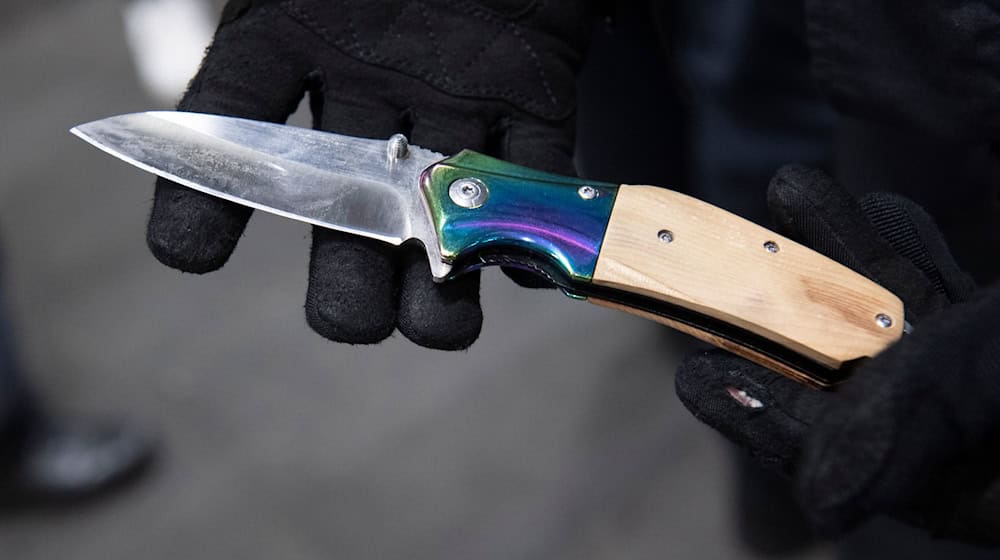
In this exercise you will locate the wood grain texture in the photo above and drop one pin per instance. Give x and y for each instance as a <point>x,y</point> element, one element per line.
<point>717,264</point>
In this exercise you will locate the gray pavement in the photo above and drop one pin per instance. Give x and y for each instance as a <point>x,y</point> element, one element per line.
<point>557,435</point>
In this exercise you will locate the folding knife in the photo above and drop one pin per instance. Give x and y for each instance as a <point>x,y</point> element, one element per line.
<point>645,250</point>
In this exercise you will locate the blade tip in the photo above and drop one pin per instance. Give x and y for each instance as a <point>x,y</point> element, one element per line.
<point>79,132</point>
<point>82,132</point>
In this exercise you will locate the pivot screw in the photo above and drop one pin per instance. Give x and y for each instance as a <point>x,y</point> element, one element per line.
<point>588,192</point>
<point>468,193</point>
<point>883,320</point>
<point>771,247</point>
<point>666,236</point>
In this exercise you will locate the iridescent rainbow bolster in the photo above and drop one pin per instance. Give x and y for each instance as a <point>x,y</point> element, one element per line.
<point>561,219</point>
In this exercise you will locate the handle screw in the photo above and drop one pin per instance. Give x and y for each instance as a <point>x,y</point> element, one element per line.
<point>666,235</point>
<point>588,192</point>
<point>883,320</point>
<point>771,247</point>
<point>469,192</point>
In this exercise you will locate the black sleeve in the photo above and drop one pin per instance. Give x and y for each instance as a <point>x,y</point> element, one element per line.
<point>932,65</point>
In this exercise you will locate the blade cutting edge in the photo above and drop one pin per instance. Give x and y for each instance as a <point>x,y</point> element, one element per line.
<point>329,180</point>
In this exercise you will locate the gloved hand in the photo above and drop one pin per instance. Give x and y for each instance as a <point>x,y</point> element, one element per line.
<point>915,432</point>
<point>496,76</point>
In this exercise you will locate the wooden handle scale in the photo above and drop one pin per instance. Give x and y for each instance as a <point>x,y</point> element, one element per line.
<point>685,252</point>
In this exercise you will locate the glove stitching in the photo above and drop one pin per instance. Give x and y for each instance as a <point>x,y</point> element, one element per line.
<point>422,73</point>
<point>516,31</point>
<point>534,55</point>
<point>351,25</point>
<point>392,25</point>
<point>538,65</point>
<point>842,243</point>
<point>523,12</point>
<point>438,50</point>
<point>482,50</point>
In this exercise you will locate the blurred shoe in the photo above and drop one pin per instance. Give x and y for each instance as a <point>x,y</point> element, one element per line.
<point>61,464</point>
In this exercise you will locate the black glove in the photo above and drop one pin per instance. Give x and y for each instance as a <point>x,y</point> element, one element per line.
<point>497,76</point>
<point>915,432</point>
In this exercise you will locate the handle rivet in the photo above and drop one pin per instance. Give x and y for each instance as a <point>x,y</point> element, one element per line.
<point>883,320</point>
<point>588,192</point>
<point>771,247</point>
<point>666,235</point>
<point>469,192</point>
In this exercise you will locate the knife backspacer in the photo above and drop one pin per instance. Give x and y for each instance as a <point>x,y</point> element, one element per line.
<point>667,257</point>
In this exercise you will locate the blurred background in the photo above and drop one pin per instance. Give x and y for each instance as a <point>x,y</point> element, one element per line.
<point>557,435</point>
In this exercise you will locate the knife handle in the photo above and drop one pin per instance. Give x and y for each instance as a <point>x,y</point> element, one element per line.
<point>676,249</point>
<point>667,257</point>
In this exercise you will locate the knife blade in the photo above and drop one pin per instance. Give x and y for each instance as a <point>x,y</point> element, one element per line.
<point>645,250</point>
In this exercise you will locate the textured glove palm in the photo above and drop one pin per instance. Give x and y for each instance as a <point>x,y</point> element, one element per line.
<point>496,76</point>
<point>914,433</point>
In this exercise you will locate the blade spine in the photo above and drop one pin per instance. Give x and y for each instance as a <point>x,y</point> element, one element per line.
<point>425,153</point>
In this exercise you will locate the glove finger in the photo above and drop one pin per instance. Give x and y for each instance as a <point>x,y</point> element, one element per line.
<point>192,231</point>
<point>351,295</point>
<point>912,233</point>
<point>758,410</point>
<point>352,290</point>
<point>445,316</point>
<point>448,131</point>
<point>539,145</point>
<point>244,74</point>
<point>808,206</point>
<point>543,145</point>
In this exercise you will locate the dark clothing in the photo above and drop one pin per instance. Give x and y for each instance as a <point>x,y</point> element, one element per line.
<point>753,105</point>
<point>932,67</point>
<point>953,181</point>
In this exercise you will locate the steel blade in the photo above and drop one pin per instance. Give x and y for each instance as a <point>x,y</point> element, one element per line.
<point>329,180</point>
